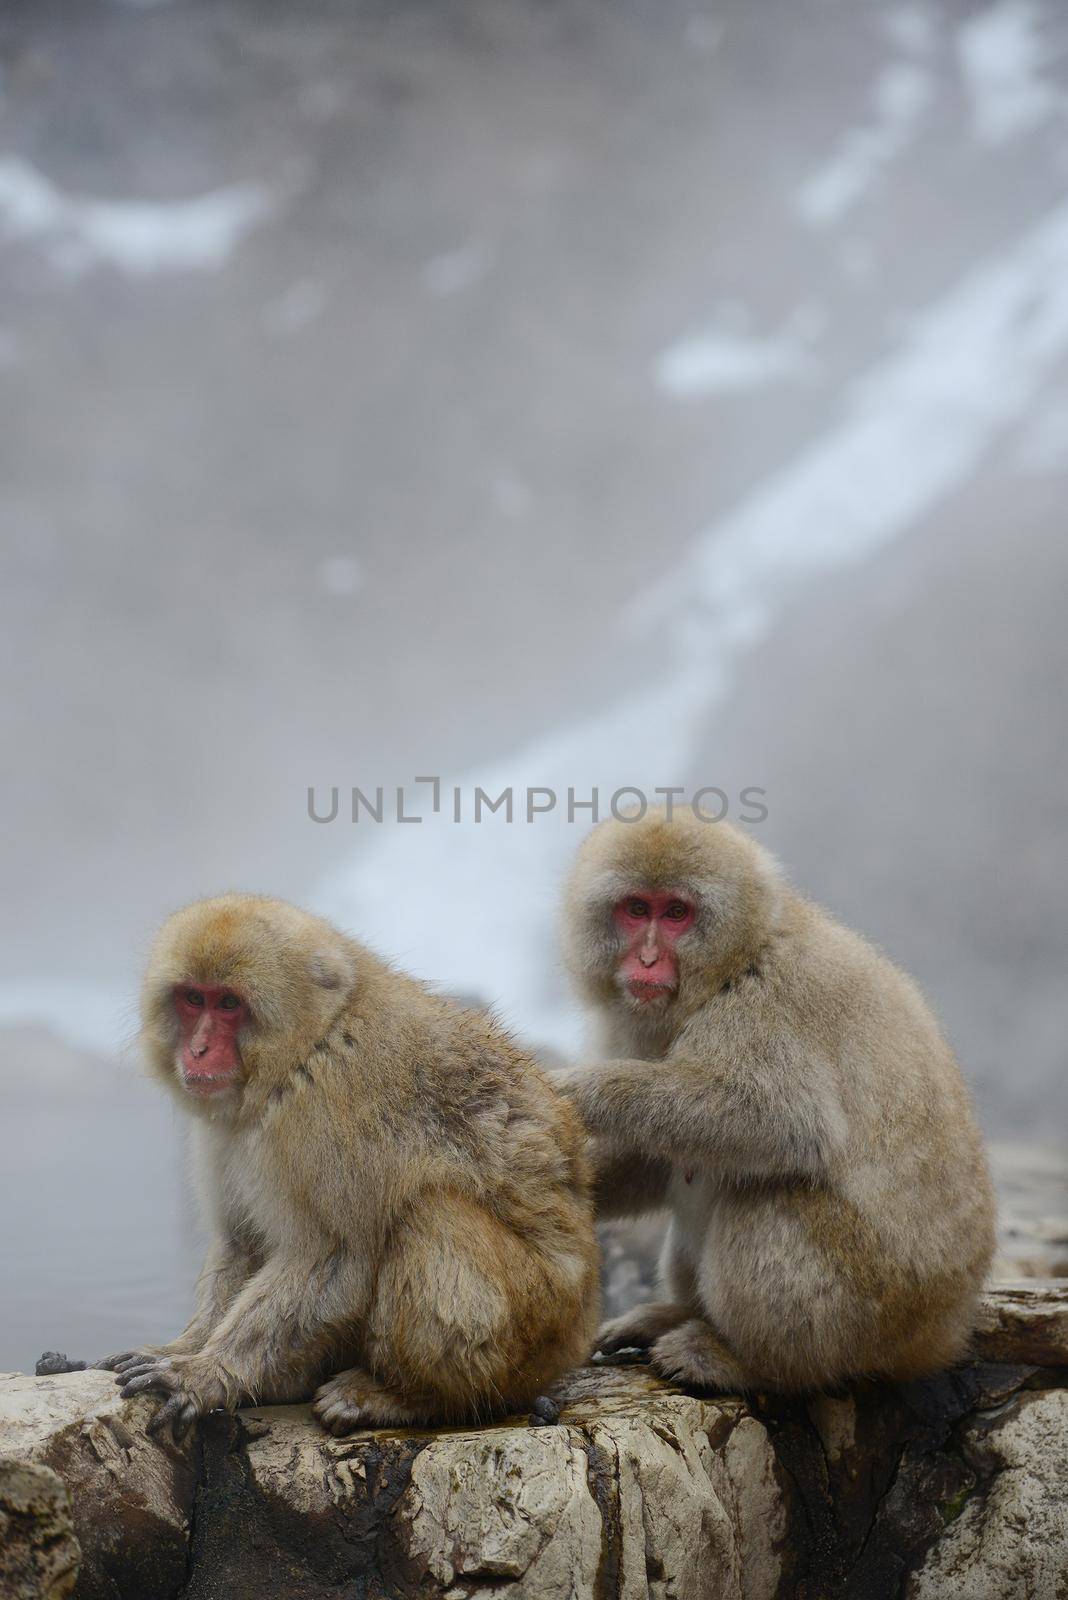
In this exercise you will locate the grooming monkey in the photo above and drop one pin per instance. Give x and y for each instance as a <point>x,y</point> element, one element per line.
<point>783,1090</point>
<point>399,1202</point>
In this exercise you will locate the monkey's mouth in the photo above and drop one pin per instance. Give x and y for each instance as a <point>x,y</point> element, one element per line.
<point>646,989</point>
<point>205,1084</point>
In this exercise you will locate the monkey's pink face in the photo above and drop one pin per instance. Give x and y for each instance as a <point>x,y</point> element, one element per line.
<point>651,922</point>
<point>209,1059</point>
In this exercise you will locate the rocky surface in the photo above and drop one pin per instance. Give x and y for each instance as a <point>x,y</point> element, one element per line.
<point>956,1486</point>
<point>131,1497</point>
<point>39,1554</point>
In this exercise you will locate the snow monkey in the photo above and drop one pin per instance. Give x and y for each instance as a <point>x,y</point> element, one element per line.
<point>783,1091</point>
<point>399,1201</point>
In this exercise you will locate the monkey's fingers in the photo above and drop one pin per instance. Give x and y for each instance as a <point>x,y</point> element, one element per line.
<point>129,1373</point>
<point>623,1355</point>
<point>128,1358</point>
<point>611,1339</point>
<point>338,1418</point>
<point>112,1363</point>
<point>154,1378</point>
<point>144,1358</point>
<point>135,1365</point>
<point>179,1413</point>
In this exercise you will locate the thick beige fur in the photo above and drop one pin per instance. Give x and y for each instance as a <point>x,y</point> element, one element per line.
<point>795,1109</point>
<point>399,1200</point>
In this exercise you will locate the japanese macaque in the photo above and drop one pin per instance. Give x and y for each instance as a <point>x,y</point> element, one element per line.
<point>784,1092</point>
<point>399,1201</point>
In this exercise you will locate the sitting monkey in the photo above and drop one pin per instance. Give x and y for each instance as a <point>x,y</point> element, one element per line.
<point>785,1093</point>
<point>393,1188</point>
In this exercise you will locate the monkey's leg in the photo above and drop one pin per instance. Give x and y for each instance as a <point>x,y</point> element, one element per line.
<point>354,1400</point>
<point>695,1355</point>
<point>468,1322</point>
<point>227,1268</point>
<point>643,1326</point>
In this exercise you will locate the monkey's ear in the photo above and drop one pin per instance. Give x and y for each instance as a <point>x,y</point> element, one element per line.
<point>331,969</point>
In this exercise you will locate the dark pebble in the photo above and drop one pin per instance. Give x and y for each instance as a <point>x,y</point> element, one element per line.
<point>52,1362</point>
<point>544,1412</point>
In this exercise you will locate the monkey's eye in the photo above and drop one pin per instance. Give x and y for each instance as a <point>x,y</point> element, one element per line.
<point>637,908</point>
<point>194,997</point>
<point>229,1002</point>
<point>677,910</point>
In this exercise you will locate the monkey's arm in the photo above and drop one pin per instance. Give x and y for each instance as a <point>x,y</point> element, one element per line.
<point>270,1344</point>
<point>228,1265</point>
<point>773,1117</point>
<point>627,1183</point>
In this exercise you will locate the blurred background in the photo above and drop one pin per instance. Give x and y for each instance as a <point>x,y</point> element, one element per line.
<point>519,393</point>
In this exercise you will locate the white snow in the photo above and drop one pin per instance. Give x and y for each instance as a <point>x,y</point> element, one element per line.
<point>138,237</point>
<point>1001,57</point>
<point>902,94</point>
<point>725,357</point>
<point>912,433</point>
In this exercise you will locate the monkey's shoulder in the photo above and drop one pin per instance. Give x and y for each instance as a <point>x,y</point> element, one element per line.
<point>431,1065</point>
<point>813,971</point>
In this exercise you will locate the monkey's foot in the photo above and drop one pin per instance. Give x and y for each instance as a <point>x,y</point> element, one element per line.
<point>354,1400</point>
<point>694,1356</point>
<point>192,1385</point>
<point>641,1327</point>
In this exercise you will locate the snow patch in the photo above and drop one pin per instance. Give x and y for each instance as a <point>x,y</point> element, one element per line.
<point>902,94</point>
<point>913,432</point>
<point>138,237</point>
<point>1002,56</point>
<point>726,358</point>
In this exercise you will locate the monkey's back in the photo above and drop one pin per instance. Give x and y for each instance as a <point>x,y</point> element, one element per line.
<point>911,1207</point>
<point>478,1111</point>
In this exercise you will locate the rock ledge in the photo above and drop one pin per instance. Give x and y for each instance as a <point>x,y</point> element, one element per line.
<point>953,1487</point>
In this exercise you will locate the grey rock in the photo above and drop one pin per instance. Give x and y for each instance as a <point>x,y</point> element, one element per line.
<point>39,1554</point>
<point>952,1486</point>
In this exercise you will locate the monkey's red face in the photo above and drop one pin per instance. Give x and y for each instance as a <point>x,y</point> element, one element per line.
<point>208,1056</point>
<point>651,922</point>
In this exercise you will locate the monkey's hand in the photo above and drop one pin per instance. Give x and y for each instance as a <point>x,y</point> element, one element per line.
<point>191,1384</point>
<point>143,1353</point>
<point>591,1090</point>
<point>641,1327</point>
